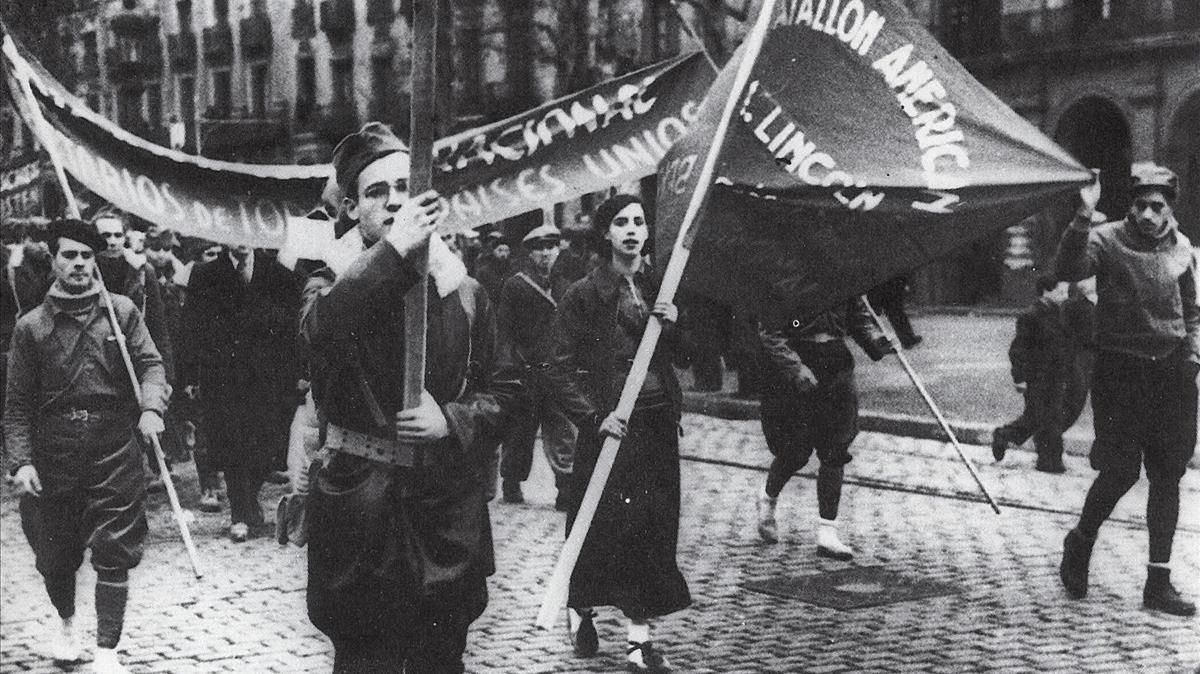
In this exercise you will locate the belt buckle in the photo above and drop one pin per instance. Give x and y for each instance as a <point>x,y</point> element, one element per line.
<point>78,415</point>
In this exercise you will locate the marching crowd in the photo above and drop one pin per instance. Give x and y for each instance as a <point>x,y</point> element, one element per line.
<point>260,370</point>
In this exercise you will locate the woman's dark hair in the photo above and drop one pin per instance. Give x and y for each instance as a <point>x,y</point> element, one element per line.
<point>604,217</point>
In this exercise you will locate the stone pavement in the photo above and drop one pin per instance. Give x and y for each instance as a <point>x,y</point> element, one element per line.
<point>907,509</point>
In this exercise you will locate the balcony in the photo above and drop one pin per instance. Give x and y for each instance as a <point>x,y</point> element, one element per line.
<point>1053,30</point>
<point>304,20</point>
<point>181,49</point>
<point>133,23</point>
<point>234,132</point>
<point>337,19</point>
<point>330,123</point>
<point>218,45</point>
<point>380,12</point>
<point>133,62</point>
<point>256,36</point>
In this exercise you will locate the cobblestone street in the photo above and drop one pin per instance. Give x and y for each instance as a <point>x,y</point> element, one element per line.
<point>910,508</point>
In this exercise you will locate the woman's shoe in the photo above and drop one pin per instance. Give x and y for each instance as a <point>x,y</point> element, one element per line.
<point>643,658</point>
<point>583,636</point>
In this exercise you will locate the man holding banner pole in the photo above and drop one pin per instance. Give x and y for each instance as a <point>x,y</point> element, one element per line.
<point>69,416</point>
<point>400,542</point>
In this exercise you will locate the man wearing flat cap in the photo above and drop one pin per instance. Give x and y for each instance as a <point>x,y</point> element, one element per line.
<point>69,419</point>
<point>528,302</point>
<point>1144,385</point>
<point>399,541</point>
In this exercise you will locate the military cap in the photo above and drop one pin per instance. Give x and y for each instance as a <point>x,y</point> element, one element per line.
<point>75,230</point>
<point>542,233</point>
<point>356,152</point>
<point>1151,176</point>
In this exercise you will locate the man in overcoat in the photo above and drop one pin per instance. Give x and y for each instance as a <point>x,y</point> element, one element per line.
<point>400,543</point>
<point>240,331</point>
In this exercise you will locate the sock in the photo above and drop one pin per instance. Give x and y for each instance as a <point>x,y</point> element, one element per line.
<point>61,588</point>
<point>639,633</point>
<point>112,593</point>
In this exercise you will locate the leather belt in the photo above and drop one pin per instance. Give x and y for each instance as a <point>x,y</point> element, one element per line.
<point>369,447</point>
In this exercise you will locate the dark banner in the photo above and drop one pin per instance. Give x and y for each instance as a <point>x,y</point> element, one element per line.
<point>610,134</point>
<point>860,149</point>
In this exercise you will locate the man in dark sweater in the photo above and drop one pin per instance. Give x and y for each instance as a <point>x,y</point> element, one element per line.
<point>528,301</point>
<point>1144,386</point>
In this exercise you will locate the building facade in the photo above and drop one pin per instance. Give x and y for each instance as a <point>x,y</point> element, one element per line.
<point>1114,81</point>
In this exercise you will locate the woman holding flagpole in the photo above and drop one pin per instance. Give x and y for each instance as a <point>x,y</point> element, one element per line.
<point>628,557</point>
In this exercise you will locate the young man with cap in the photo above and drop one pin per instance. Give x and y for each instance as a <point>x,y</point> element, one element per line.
<point>528,302</point>
<point>399,544</point>
<point>1144,385</point>
<point>69,418</point>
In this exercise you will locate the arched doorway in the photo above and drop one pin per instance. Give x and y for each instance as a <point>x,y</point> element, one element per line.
<point>1096,133</point>
<point>1182,155</point>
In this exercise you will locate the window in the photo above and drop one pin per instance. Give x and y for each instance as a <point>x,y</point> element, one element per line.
<point>129,109</point>
<point>382,79</point>
<point>93,102</point>
<point>183,10</point>
<point>90,51</point>
<point>258,90</point>
<point>221,11</point>
<point>222,93</point>
<point>187,99</point>
<point>306,86</point>
<point>154,105</point>
<point>343,81</point>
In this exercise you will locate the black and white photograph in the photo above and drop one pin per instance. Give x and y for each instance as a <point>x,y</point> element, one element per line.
<point>535,336</point>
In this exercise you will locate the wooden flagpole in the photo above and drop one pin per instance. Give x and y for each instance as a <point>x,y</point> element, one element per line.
<point>73,212</point>
<point>556,590</point>
<point>422,127</point>
<point>937,413</point>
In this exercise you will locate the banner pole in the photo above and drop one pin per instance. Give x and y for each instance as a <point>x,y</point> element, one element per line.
<point>691,32</point>
<point>119,335</point>
<point>557,588</point>
<point>937,413</point>
<point>422,129</point>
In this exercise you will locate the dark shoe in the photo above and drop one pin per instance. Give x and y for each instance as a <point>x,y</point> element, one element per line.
<point>1073,570</point>
<point>584,640</point>
<point>281,520</point>
<point>1000,445</point>
<point>154,484</point>
<point>1161,595</point>
<point>511,490</point>
<point>1054,466</point>
<point>643,658</point>
<point>277,477</point>
<point>910,342</point>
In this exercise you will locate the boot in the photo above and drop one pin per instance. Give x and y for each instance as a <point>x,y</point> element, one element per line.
<point>1050,464</point>
<point>766,519</point>
<point>1077,554</point>
<point>1000,445</point>
<point>584,639</point>
<point>828,543</point>
<point>511,490</point>
<point>1161,595</point>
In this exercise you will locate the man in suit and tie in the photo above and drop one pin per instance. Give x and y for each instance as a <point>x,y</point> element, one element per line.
<point>240,327</point>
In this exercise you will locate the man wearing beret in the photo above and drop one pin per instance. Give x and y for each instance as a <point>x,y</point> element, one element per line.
<point>69,417</point>
<point>528,302</point>
<point>1144,384</point>
<point>399,544</point>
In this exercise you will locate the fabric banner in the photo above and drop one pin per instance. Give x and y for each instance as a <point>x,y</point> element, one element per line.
<point>612,133</point>
<point>860,150</point>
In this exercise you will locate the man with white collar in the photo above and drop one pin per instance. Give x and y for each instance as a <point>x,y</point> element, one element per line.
<point>399,544</point>
<point>69,418</point>
<point>1144,383</point>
